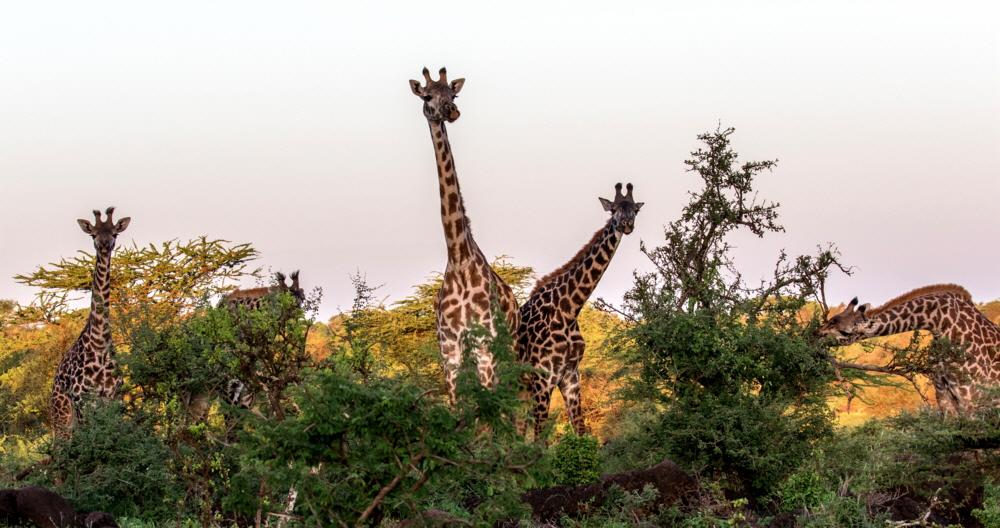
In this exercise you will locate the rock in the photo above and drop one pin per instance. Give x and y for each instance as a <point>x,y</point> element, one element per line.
<point>787,519</point>
<point>97,519</point>
<point>907,509</point>
<point>35,505</point>
<point>668,478</point>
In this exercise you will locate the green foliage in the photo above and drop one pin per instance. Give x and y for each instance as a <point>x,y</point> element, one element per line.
<point>804,489</point>
<point>844,512</point>
<point>576,460</point>
<point>357,451</point>
<point>989,515</point>
<point>29,354</point>
<point>114,462</point>
<point>739,387</point>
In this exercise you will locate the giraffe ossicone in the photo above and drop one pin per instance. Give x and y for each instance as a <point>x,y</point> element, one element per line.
<point>944,310</point>
<point>88,367</point>
<point>550,338</point>
<point>470,288</point>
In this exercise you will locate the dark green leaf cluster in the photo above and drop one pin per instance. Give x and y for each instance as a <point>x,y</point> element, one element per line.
<point>356,452</point>
<point>576,460</point>
<point>115,462</point>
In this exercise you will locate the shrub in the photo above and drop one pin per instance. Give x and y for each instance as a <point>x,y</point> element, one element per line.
<point>115,463</point>
<point>576,460</point>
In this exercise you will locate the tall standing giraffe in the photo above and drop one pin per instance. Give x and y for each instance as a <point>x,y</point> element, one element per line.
<point>945,310</point>
<point>469,282</point>
<point>88,366</point>
<point>550,338</point>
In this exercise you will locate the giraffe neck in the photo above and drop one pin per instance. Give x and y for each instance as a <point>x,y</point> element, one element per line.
<point>456,225</point>
<point>582,274</point>
<point>937,314</point>
<point>97,325</point>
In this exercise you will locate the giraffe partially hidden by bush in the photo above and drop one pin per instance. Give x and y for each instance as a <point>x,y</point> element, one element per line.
<point>235,391</point>
<point>88,366</point>
<point>550,338</point>
<point>944,310</point>
<point>470,289</point>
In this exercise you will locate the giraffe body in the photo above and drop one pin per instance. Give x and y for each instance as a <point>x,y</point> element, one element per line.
<point>550,338</point>
<point>469,283</point>
<point>88,366</point>
<point>945,311</point>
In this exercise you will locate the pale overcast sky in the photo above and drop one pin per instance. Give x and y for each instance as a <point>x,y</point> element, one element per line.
<point>291,126</point>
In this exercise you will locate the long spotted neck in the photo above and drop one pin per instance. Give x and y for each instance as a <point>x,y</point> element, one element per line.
<point>456,226</point>
<point>934,313</point>
<point>98,326</point>
<point>587,268</point>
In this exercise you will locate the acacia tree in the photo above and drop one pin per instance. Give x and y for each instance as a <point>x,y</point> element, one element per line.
<point>738,384</point>
<point>164,281</point>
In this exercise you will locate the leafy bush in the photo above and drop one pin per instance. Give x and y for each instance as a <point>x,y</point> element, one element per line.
<point>738,386</point>
<point>357,451</point>
<point>114,462</point>
<point>576,460</point>
<point>804,489</point>
<point>990,514</point>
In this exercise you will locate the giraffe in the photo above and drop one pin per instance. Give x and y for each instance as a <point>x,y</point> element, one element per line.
<point>88,367</point>
<point>235,393</point>
<point>945,310</point>
<point>256,298</point>
<point>469,284</point>
<point>550,337</point>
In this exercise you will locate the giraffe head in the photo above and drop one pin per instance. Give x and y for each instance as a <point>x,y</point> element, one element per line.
<point>439,96</point>
<point>847,326</point>
<point>623,209</point>
<point>297,292</point>
<point>104,231</point>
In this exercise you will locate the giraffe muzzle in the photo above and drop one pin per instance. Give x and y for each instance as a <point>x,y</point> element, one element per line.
<point>451,113</point>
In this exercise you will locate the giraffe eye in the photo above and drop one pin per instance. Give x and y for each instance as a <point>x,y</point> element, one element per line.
<point>426,97</point>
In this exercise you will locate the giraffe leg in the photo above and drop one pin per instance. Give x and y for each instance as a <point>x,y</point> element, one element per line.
<point>486,367</point>
<point>570,388</point>
<point>541,391</point>
<point>61,414</point>
<point>946,391</point>
<point>450,361</point>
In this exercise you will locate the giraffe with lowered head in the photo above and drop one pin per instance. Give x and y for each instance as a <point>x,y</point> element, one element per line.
<point>550,338</point>
<point>945,310</point>
<point>469,282</point>
<point>88,366</point>
<point>235,392</point>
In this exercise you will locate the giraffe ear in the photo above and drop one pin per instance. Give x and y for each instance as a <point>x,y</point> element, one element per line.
<point>606,203</point>
<point>87,227</point>
<point>638,206</point>
<point>122,224</point>
<point>456,85</point>
<point>418,90</point>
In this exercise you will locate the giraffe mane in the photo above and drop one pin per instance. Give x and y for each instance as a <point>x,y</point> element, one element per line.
<point>920,292</point>
<point>566,267</point>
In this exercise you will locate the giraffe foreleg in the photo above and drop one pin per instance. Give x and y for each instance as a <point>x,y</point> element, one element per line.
<point>62,413</point>
<point>541,391</point>
<point>570,388</point>
<point>451,359</point>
